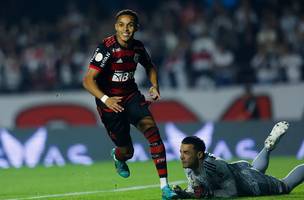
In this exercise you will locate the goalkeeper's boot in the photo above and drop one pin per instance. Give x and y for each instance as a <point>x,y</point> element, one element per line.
<point>168,193</point>
<point>275,135</point>
<point>121,166</point>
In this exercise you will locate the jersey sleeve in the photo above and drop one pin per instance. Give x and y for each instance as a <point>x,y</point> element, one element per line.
<point>100,58</point>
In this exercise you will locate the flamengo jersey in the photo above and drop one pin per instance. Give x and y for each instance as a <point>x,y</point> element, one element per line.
<point>117,66</point>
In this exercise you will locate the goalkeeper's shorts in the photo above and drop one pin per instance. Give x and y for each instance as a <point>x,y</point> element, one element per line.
<point>251,182</point>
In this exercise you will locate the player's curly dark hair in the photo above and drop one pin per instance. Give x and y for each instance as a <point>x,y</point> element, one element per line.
<point>198,143</point>
<point>128,12</point>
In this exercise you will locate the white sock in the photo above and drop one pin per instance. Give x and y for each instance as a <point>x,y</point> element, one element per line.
<point>163,182</point>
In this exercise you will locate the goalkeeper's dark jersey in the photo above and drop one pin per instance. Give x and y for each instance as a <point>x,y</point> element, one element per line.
<point>117,65</point>
<point>221,179</point>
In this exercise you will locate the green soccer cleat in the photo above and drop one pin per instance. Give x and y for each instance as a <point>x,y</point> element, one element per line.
<point>121,166</point>
<point>168,193</point>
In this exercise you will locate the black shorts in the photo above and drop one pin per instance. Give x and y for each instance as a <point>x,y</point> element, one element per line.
<point>118,124</point>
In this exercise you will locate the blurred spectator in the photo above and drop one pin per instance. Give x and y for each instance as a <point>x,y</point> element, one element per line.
<point>288,23</point>
<point>2,86</point>
<point>193,43</point>
<point>202,52</point>
<point>224,72</point>
<point>291,63</point>
<point>174,67</point>
<point>12,75</point>
<point>265,64</point>
<point>251,110</point>
<point>246,27</point>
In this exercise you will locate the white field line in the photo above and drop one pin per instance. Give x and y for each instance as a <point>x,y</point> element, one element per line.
<point>140,187</point>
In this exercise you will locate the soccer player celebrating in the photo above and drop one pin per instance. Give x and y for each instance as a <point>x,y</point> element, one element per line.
<point>209,176</point>
<point>110,78</point>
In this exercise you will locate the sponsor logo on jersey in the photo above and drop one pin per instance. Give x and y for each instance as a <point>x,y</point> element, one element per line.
<point>104,60</point>
<point>95,53</point>
<point>120,76</point>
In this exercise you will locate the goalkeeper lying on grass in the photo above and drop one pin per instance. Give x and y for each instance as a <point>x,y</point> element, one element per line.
<point>213,177</point>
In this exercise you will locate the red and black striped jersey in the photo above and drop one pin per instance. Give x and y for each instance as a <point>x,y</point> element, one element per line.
<point>117,66</point>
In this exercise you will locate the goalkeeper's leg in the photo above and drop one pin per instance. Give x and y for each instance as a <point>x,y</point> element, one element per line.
<point>294,178</point>
<point>261,162</point>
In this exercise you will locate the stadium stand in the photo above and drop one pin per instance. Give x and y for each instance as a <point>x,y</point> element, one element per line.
<point>46,46</point>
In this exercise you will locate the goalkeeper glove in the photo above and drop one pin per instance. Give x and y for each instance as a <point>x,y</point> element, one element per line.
<point>182,194</point>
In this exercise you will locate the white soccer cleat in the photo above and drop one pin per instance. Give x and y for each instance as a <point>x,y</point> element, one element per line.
<point>276,133</point>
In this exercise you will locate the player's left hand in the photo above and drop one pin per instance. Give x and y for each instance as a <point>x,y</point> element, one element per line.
<point>154,93</point>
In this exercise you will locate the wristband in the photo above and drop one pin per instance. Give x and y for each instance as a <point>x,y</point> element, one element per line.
<point>104,98</point>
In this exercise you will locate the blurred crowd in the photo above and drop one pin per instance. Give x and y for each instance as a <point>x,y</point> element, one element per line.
<point>194,44</point>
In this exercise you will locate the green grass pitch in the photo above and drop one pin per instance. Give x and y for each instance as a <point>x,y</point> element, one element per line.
<point>100,181</point>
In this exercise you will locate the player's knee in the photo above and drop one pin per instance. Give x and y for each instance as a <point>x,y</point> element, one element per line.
<point>146,123</point>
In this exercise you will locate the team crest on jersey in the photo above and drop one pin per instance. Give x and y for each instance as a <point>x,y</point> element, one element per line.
<point>136,57</point>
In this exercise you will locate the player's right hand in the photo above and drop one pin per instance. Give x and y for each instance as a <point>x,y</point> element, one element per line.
<point>112,103</point>
<point>154,93</point>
